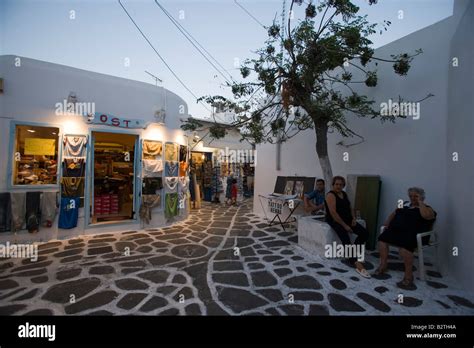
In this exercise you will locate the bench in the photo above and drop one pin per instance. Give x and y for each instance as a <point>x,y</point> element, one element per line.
<point>314,234</point>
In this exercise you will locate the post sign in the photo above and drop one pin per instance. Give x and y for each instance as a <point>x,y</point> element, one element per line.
<point>114,121</point>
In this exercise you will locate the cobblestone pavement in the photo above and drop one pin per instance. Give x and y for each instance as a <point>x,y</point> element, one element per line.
<point>193,268</point>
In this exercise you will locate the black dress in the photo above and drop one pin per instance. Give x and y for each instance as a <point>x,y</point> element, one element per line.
<point>404,227</point>
<point>343,208</point>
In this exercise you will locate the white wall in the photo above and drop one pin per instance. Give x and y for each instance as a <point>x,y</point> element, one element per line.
<point>408,153</point>
<point>32,90</point>
<point>460,175</point>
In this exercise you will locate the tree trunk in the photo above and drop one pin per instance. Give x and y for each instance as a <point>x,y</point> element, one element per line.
<point>322,151</point>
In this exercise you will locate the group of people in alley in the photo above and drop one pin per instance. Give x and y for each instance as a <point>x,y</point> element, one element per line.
<point>400,229</point>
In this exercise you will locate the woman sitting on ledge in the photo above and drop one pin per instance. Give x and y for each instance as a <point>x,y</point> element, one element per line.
<point>340,217</point>
<point>401,229</point>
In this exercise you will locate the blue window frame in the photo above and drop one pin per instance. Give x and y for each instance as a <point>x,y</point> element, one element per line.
<point>34,154</point>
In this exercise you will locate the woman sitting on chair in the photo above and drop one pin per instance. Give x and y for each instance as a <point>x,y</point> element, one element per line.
<point>340,217</point>
<point>401,229</point>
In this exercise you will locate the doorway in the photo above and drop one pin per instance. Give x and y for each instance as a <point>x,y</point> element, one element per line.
<point>201,164</point>
<point>113,177</point>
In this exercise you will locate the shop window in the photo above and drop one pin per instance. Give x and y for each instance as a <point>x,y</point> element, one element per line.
<point>35,155</point>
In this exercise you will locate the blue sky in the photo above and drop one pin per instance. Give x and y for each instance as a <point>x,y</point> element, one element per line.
<point>101,37</point>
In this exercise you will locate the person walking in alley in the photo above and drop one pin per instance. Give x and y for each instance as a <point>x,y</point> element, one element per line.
<point>234,191</point>
<point>228,190</point>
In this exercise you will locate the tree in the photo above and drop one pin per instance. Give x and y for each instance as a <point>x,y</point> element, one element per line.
<point>303,77</point>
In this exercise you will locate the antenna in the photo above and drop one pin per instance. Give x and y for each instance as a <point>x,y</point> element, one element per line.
<point>153,76</point>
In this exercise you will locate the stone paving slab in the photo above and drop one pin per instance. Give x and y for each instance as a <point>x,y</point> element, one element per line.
<point>221,261</point>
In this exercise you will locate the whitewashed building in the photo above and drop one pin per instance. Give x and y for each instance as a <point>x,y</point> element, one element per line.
<point>433,151</point>
<point>35,99</point>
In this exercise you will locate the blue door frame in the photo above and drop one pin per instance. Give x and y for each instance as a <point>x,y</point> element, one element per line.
<point>89,201</point>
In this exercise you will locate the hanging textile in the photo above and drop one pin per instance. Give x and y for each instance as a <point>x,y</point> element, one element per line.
<point>49,207</point>
<point>69,212</point>
<point>171,168</point>
<point>18,209</point>
<point>171,152</point>
<point>216,183</point>
<point>207,173</point>
<point>151,185</point>
<point>183,184</point>
<point>183,167</point>
<point>182,203</point>
<point>5,212</point>
<point>74,167</point>
<point>74,146</point>
<point>152,148</point>
<point>191,184</point>
<point>148,203</point>
<point>72,187</point>
<point>183,153</point>
<point>33,211</point>
<point>171,183</point>
<point>152,168</point>
<point>171,205</point>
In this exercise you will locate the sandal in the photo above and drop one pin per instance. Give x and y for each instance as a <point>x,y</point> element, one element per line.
<point>380,271</point>
<point>363,272</point>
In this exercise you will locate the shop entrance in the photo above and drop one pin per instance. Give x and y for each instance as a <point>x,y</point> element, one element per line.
<point>201,164</point>
<point>113,177</point>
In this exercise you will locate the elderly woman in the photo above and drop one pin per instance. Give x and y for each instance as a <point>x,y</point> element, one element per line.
<point>401,229</point>
<point>340,217</point>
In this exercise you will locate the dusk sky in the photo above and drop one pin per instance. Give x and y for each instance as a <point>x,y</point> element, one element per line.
<point>102,38</point>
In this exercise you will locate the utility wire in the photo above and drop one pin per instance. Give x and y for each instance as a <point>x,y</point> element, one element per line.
<point>188,36</point>
<point>251,15</point>
<point>161,58</point>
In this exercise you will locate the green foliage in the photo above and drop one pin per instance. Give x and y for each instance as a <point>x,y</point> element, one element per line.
<point>371,80</point>
<point>302,84</point>
<point>310,11</point>
<point>244,71</point>
<point>191,125</point>
<point>274,30</point>
<point>217,131</point>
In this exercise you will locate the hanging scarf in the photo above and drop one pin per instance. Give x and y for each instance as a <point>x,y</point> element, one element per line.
<point>72,187</point>
<point>74,146</point>
<point>74,167</point>
<point>152,168</point>
<point>171,152</point>
<point>148,202</point>
<point>171,168</point>
<point>151,185</point>
<point>171,204</point>
<point>183,184</point>
<point>181,203</point>
<point>171,183</point>
<point>152,148</point>
<point>183,153</point>
<point>183,167</point>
